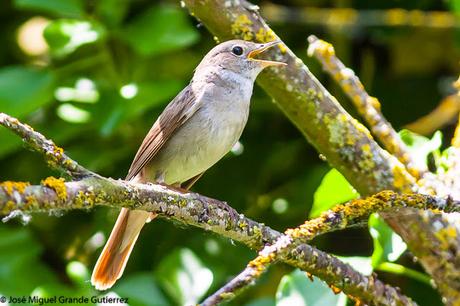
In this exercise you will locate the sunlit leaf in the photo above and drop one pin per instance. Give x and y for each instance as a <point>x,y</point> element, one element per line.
<point>141,290</point>
<point>158,30</point>
<point>360,264</point>
<point>297,289</point>
<point>334,189</point>
<point>71,113</point>
<point>64,36</point>
<point>388,246</point>
<point>419,147</point>
<point>184,277</point>
<point>64,8</point>
<point>77,272</point>
<point>23,90</point>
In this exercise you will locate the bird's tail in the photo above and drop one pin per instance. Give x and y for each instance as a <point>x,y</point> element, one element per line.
<point>112,261</point>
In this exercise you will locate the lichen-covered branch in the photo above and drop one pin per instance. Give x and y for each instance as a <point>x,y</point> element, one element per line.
<point>367,106</point>
<point>53,154</point>
<point>196,210</point>
<point>54,194</point>
<point>346,144</point>
<point>353,213</point>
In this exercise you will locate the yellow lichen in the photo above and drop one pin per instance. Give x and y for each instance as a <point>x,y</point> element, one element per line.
<point>10,186</point>
<point>58,185</point>
<point>366,148</point>
<point>400,179</point>
<point>242,27</point>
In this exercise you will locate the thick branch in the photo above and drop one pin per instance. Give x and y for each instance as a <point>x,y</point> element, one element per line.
<point>353,213</point>
<point>347,144</point>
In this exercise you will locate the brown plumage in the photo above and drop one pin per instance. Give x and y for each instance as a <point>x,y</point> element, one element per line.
<point>195,130</point>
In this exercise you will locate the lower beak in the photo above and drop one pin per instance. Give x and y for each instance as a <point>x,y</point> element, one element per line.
<point>262,48</point>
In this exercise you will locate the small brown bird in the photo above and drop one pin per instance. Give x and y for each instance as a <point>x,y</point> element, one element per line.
<point>197,128</point>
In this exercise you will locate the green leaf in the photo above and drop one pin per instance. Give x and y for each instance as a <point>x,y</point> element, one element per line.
<point>65,8</point>
<point>64,36</point>
<point>334,189</point>
<point>77,272</point>
<point>419,147</point>
<point>388,246</point>
<point>266,301</point>
<point>360,264</point>
<point>159,30</point>
<point>141,290</point>
<point>297,289</point>
<point>23,90</point>
<point>111,12</point>
<point>184,277</point>
<point>19,252</point>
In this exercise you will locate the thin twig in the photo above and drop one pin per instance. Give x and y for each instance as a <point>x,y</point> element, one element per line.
<point>53,154</point>
<point>367,106</point>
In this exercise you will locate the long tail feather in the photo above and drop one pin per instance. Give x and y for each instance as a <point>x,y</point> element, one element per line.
<point>114,256</point>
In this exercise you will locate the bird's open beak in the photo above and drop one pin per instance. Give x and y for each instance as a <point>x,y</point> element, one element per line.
<point>262,48</point>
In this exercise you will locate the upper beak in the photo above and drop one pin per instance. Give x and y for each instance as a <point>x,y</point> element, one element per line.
<point>262,48</point>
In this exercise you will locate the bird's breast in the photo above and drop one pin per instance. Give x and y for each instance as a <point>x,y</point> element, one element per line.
<point>205,137</point>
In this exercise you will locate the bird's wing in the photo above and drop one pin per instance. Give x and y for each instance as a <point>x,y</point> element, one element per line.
<point>179,110</point>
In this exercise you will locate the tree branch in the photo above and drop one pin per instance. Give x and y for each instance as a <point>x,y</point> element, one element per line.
<point>54,155</point>
<point>353,213</point>
<point>367,106</point>
<point>19,198</point>
<point>347,144</point>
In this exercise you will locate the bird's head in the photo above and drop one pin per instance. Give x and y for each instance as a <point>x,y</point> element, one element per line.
<point>240,56</point>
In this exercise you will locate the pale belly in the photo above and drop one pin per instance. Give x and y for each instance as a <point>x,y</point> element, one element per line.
<point>197,145</point>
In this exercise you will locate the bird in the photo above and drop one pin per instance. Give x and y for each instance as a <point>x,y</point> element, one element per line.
<point>195,130</point>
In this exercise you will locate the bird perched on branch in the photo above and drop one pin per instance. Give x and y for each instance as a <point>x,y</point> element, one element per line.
<point>197,128</point>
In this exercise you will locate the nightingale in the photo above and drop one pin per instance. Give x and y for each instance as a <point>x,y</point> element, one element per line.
<point>195,130</point>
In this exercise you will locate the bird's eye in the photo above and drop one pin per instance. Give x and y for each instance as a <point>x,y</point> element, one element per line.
<point>237,50</point>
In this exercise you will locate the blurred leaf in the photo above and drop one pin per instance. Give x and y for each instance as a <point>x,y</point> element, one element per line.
<point>297,289</point>
<point>113,109</point>
<point>388,246</point>
<point>59,290</point>
<point>184,277</point>
<point>151,94</point>
<point>73,114</point>
<point>64,36</point>
<point>111,12</point>
<point>141,290</point>
<point>77,272</point>
<point>334,189</point>
<point>19,252</point>
<point>159,30</point>
<point>420,147</point>
<point>23,90</point>
<point>267,301</point>
<point>67,8</point>
<point>454,6</point>
<point>360,264</point>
